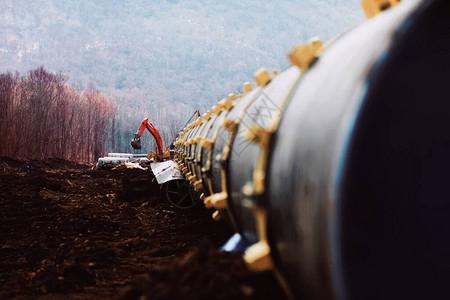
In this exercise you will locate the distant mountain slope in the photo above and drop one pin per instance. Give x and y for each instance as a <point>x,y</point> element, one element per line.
<point>151,54</point>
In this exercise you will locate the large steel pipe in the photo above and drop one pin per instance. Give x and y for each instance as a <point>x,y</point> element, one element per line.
<point>335,171</point>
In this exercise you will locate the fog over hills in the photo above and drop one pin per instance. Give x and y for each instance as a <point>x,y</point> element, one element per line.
<point>163,58</point>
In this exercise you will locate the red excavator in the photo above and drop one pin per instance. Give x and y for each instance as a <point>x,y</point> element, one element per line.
<point>136,142</point>
<point>161,153</point>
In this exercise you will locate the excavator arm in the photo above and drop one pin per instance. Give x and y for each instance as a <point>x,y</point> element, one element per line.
<point>136,142</point>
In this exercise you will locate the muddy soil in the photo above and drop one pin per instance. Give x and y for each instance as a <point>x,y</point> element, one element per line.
<point>70,232</point>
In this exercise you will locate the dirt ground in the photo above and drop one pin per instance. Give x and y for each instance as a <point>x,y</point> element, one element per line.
<point>70,232</point>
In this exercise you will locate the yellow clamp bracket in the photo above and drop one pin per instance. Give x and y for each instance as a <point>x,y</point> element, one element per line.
<point>217,201</point>
<point>258,258</point>
<point>191,178</point>
<point>197,140</point>
<point>220,106</point>
<point>230,125</point>
<point>247,87</point>
<point>216,108</point>
<point>206,143</point>
<point>197,185</point>
<point>257,134</point>
<point>262,77</point>
<point>198,121</point>
<point>304,54</point>
<point>229,102</point>
<point>207,116</point>
<point>374,7</point>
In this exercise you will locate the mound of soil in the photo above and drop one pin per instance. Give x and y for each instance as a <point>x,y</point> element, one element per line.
<point>71,232</point>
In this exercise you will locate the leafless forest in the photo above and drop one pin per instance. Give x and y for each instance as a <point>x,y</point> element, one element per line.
<point>42,116</point>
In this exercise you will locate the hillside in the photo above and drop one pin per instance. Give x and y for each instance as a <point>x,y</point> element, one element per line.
<point>162,58</point>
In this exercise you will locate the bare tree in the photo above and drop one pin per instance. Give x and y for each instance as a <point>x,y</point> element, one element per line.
<point>41,116</point>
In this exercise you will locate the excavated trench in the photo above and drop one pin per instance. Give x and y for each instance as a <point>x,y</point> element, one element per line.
<point>68,231</point>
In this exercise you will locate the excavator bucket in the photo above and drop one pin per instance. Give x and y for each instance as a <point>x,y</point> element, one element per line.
<point>136,143</point>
